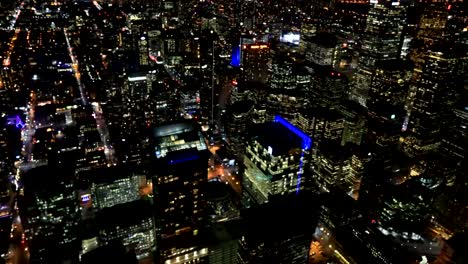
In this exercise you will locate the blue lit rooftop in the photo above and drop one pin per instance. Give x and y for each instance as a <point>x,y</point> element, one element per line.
<point>282,137</point>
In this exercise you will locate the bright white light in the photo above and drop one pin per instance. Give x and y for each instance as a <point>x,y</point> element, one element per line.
<point>291,37</point>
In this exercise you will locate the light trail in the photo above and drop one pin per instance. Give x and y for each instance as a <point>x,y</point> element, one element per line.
<point>97,5</point>
<point>75,69</point>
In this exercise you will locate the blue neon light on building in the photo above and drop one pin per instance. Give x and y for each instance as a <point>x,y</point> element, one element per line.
<point>236,56</point>
<point>306,140</point>
<point>184,159</point>
<point>15,121</point>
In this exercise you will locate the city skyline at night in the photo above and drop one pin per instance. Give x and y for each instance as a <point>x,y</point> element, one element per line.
<point>243,132</point>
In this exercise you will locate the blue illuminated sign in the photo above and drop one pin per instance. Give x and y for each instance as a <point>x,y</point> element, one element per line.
<point>85,198</point>
<point>15,121</point>
<point>236,56</point>
<point>306,140</point>
<point>185,159</point>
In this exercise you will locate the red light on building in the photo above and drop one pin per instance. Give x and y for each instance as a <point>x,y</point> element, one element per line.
<point>234,82</point>
<point>449,7</point>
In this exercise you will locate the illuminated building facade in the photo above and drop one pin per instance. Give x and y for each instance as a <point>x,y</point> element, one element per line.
<point>282,77</point>
<point>434,96</point>
<point>113,186</point>
<point>322,49</point>
<point>381,42</point>
<point>136,233</point>
<point>182,163</point>
<point>275,159</point>
<point>255,60</point>
<point>52,214</point>
<point>239,120</point>
<point>321,124</point>
<point>143,55</point>
<point>389,87</point>
<point>330,165</point>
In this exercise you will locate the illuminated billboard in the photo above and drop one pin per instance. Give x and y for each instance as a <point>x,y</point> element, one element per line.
<point>291,37</point>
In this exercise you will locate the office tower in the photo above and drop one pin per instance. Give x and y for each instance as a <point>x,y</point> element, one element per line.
<point>381,42</point>
<point>111,186</point>
<point>255,60</point>
<point>328,86</point>
<point>321,124</point>
<point>190,102</point>
<point>143,55</point>
<point>50,214</point>
<point>435,93</point>
<point>275,160</point>
<point>433,21</point>
<point>136,232</point>
<point>181,207</point>
<point>138,114</point>
<point>389,88</point>
<point>386,102</point>
<point>135,93</point>
<point>238,120</point>
<point>355,170</point>
<point>170,12</point>
<point>451,204</point>
<point>355,122</point>
<point>281,76</point>
<point>454,141</point>
<point>182,163</point>
<point>322,49</point>
<point>330,165</point>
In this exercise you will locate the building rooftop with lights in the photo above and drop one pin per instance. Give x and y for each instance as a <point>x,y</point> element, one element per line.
<point>274,161</point>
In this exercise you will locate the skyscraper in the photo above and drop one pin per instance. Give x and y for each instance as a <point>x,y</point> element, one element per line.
<point>136,232</point>
<point>255,60</point>
<point>275,160</point>
<point>382,41</point>
<point>182,163</point>
<point>435,95</point>
<point>51,214</point>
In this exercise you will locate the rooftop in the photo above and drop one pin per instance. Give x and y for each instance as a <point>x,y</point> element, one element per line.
<point>281,136</point>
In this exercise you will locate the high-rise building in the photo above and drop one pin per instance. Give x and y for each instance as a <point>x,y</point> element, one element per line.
<point>282,77</point>
<point>51,214</point>
<point>322,49</point>
<point>435,94</point>
<point>330,165</point>
<point>328,86</point>
<point>182,163</point>
<point>275,160</point>
<point>255,60</point>
<point>389,88</point>
<point>240,117</point>
<point>136,232</point>
<point>382,41</point>
<point>112,186</point>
